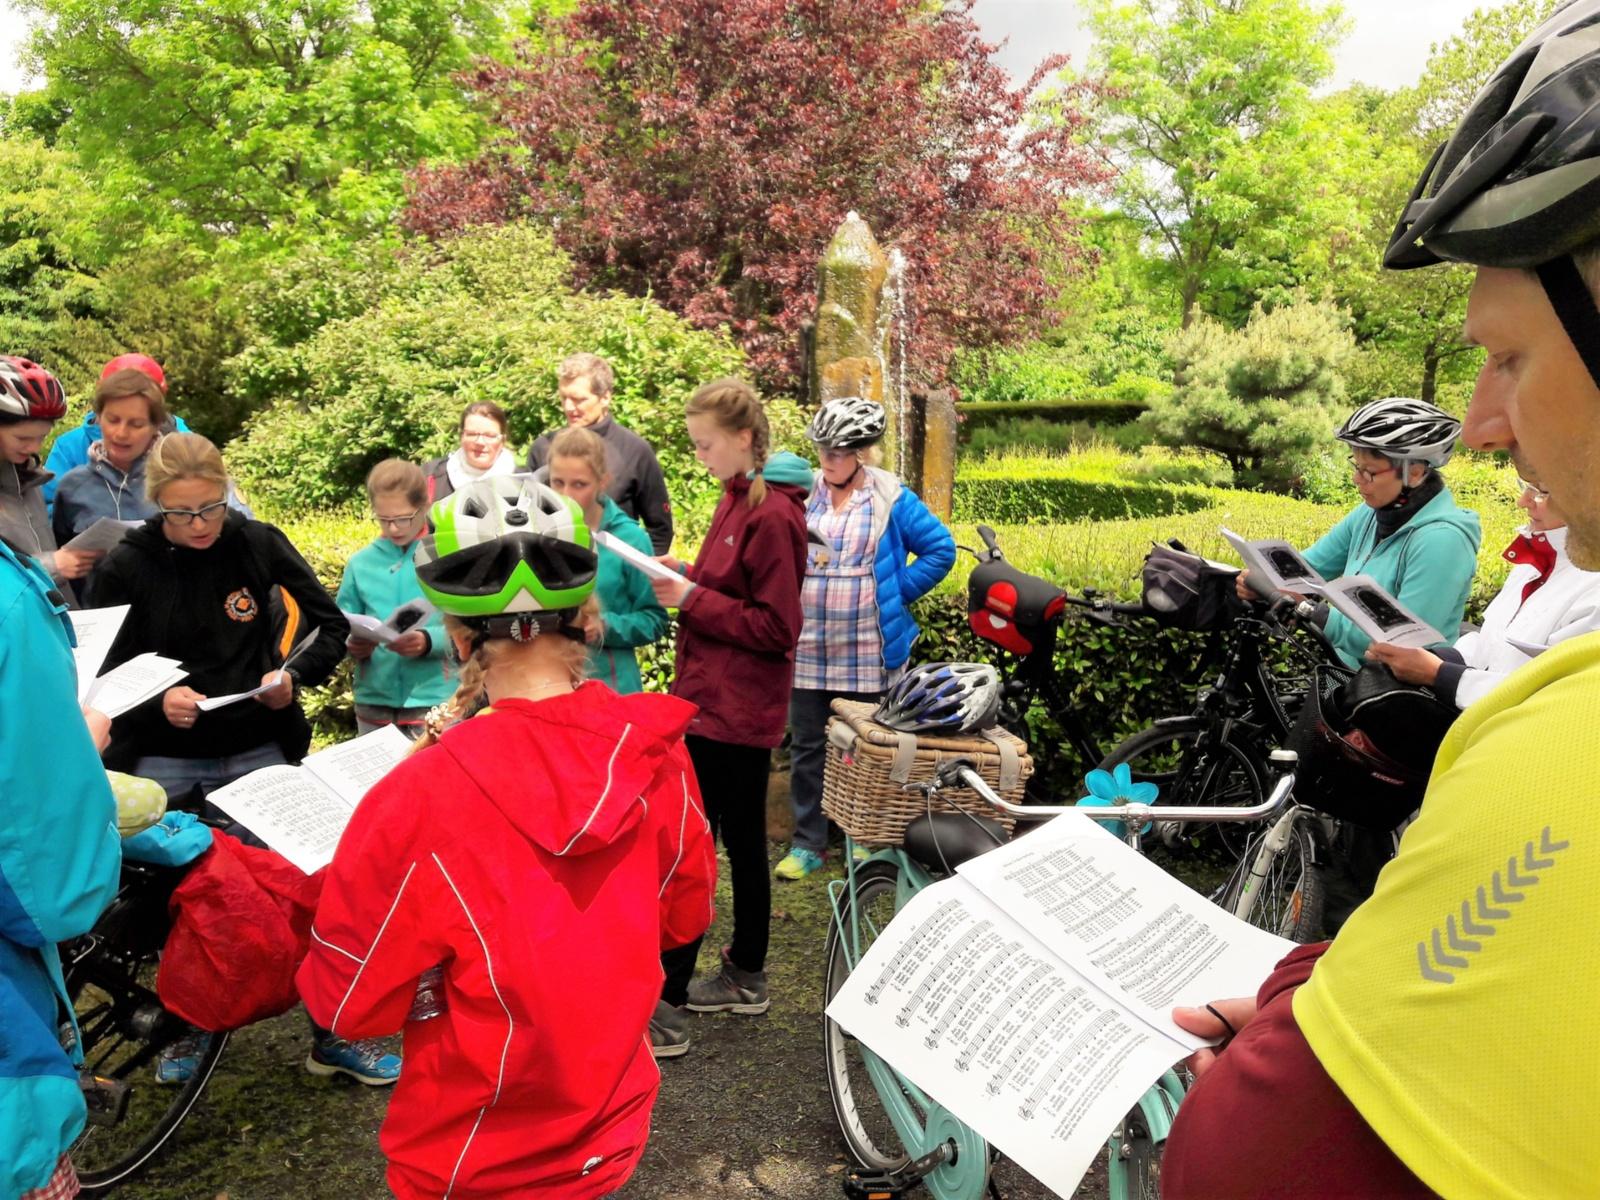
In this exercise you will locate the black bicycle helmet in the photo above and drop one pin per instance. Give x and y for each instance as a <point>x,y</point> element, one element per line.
<point>1518,183</point>
<point>1402,429</point>
<point>848,423</point>
<point>943,697</point>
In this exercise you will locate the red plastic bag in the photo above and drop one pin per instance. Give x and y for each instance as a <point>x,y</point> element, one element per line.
<point>241,923</point>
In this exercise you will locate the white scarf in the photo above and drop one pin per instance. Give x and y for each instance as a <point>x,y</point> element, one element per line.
<point>462,472</point>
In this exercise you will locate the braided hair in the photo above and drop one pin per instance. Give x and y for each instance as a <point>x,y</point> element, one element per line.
<point>735,407</point>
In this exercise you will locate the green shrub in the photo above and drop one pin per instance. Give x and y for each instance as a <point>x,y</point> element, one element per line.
<point>1054,372</point>
<point>1097,481</point>
<point>977,415</point>
<point>486,316</point>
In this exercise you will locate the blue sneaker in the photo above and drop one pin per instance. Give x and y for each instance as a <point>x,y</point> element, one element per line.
<point>180,1060</point>
<point>365,1061</point>
<point>798,863</point>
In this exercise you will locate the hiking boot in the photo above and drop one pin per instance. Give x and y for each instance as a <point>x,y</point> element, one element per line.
<point>180,1060</point>
<point>798,863</point>
<point>365,1061</point>
<point>730,990</point>
<point>669,1031</point>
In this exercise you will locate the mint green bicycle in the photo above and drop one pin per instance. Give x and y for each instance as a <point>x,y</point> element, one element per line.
<point>901,1137</point>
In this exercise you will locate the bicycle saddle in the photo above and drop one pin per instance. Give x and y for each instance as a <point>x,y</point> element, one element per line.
<point>942,841</point>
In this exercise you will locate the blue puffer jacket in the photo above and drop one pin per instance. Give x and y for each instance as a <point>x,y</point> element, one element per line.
<point>71,449</point>
<point>59,862</point>
<point>902,526</point>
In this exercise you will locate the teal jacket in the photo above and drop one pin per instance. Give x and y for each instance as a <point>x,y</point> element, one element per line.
<point>60,859</point>
<point>627,604</point>
<point>1427,564</point>
<point>379,579</point>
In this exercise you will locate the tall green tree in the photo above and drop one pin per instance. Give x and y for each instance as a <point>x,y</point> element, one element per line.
<point>270,120</point>
<point>1205,115</point>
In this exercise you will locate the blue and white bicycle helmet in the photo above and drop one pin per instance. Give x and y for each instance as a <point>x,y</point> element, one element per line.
<point>943,697</point>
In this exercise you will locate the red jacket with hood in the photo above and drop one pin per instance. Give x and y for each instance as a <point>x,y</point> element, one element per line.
<point>546,853</point>
<point>738,628</point>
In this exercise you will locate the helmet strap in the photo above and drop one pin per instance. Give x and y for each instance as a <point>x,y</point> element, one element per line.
<point>1574,306</point>
<point>848,483</point>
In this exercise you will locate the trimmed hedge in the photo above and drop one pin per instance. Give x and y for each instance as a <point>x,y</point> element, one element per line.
<point>979,414</point>
<point>997,499</point>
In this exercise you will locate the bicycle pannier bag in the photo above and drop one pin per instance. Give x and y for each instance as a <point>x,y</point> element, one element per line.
<point>1184,591</point>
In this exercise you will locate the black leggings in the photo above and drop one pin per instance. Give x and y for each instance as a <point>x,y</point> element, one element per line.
<point>733,784</point>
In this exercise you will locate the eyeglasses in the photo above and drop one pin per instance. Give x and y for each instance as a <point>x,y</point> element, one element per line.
<point>209,515</point>
<point>1533,489</point>
<point>486,438</point>
<point>398,522</point>
<point>1366,473</point>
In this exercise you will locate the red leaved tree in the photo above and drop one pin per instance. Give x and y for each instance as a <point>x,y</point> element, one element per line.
<point>705,151</point>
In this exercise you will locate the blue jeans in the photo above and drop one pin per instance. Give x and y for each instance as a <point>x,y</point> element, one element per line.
<point>809,710</point>
<point>180,776</point>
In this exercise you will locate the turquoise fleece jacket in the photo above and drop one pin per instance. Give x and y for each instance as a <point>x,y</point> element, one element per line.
<point>380,578</point>
<point>627,605</point>
<point>60,860</point>
<point>1427,564</point>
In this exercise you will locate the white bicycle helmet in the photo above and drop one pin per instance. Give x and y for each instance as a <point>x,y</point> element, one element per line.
<point>943,697</point>
<point>1402,429</point>
<point>1518,183</point>
<point>848,423</point>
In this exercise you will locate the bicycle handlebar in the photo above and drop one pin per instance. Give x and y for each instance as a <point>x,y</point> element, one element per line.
<point>959,772</point>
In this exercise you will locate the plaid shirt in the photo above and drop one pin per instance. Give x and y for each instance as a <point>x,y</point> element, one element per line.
<point>63,1184</point>
<point>841,646</point>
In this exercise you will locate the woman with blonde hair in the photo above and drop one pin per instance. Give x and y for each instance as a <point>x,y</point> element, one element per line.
<point>532,862</point>
<point>738,621</point>
<point>629,614</point>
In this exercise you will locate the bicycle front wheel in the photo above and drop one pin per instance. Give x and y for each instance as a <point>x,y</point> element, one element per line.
<point>863,1086</point>
<point>1288,901</point>
<point>1193,766</point>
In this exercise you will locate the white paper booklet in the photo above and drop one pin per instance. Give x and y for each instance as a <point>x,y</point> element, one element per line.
<point>127,686</point>
<point>634,557</point>
<point>1030,995</point>
<point>211,702</point>
<point>406,617</point>
<point>94,629</point>
<point>301,811</point>
<point>103,535</point>
<point>1278,563</point>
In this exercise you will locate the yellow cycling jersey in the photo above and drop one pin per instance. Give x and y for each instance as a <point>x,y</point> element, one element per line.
<point>1459,1010</point>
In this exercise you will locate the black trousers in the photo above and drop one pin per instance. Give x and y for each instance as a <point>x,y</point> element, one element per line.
<point>733,784</point>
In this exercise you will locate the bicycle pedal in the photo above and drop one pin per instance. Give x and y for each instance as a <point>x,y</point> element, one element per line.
<point>106,1099</point>
<point>874,1185</point>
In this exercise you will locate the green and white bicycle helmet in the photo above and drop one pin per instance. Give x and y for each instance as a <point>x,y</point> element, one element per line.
<point>507,553</point>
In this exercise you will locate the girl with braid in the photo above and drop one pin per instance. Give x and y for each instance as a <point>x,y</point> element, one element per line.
<point>738,622</point>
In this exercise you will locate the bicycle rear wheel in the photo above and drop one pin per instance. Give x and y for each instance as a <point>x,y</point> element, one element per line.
<point>1193,767</point>
<point>858,1081</point>
<point>1289,900</point>
<point>111,981</point>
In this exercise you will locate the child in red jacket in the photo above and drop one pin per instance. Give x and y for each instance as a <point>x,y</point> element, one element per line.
<point>739,619</point>
<point>543,853</point>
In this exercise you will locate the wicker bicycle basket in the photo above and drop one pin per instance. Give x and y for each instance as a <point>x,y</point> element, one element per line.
<point>864,783</point>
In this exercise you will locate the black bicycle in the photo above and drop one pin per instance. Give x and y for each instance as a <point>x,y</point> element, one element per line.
<point>111,979</point>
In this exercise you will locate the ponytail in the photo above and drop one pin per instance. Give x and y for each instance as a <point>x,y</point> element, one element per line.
<point>735,407</point>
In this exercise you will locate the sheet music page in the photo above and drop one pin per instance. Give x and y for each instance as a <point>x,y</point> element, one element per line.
<point>351,768</point>
<point>984,1018</point>
<point>135,681</point>
<point>105,534</point>
<point>1137,933</point>
<point>634,558</point>
<point>95,629</point>
<point>289,809</point>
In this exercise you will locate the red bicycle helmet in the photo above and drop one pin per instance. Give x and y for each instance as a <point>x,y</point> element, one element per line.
<point>141,363</point>
<point>28,392</point>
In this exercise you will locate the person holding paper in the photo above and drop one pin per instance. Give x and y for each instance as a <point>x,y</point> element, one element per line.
<point>481,454</point>
<point>1546,599</point>
<point>585,383</point>
<point>198,578</point>
<point>1407,534</point>
<point>396,684</point>
<point>1442,1044</point>
<point>60,860</point>
<point>857,597</point>
<point>629,614</point>
<point>131,413</point>
<point>532,862</point>
<point>739,619</point>
<point>31,401</point>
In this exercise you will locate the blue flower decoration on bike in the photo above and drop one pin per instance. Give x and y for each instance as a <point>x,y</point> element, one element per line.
<point>1116,787</point>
